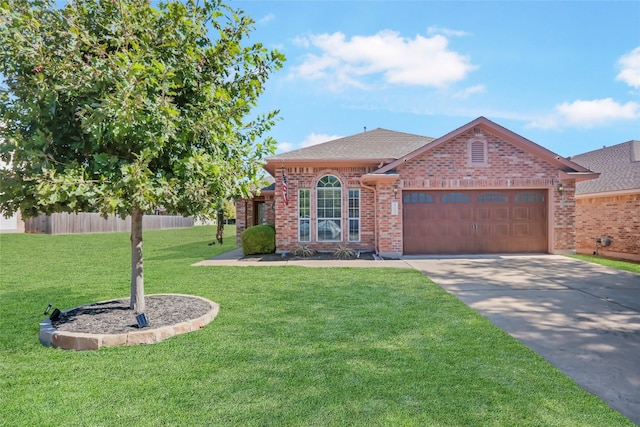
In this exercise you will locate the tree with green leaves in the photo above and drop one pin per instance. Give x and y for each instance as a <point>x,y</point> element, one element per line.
<point>229,209</point>
<point>117,106</point>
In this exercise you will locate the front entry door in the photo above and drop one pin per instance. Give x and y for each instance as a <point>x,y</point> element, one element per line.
<point>259,217</point>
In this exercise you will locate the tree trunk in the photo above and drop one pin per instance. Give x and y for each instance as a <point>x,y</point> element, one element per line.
<point>137,278</point>
<point>220,229</point>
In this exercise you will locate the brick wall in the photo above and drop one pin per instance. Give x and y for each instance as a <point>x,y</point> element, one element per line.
<point>617,217</point>
<point>244,216</point>
<point>563,219</point>
<point>307,177</point>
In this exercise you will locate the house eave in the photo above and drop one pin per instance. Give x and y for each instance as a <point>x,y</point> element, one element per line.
<point>272,165</point>
<point>626,192</point>
<point>379,178</point>
<point>578,176</point>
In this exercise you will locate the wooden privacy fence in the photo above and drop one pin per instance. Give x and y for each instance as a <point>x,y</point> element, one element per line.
<point>71,223</point>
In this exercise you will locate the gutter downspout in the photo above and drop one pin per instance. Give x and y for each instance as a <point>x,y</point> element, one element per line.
<point>375,215</point>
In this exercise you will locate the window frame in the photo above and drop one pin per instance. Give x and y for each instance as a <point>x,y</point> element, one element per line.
<point>329,199</point>
<point>353,214</point>
<point>302,219</point>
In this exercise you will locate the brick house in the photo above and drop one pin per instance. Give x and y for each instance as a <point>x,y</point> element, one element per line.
<point>478,189</point>
<point>608,208</point>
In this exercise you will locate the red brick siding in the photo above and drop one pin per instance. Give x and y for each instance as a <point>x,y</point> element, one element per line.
<point>617,217</point>
<point>563,219</point>
<point>242,217</point>
<point>300,178</point>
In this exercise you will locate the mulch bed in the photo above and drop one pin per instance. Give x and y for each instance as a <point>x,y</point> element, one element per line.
<point>368,256</point>
<point>115,317</point>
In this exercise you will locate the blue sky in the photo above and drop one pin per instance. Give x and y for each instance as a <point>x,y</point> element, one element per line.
<point>565,75</point>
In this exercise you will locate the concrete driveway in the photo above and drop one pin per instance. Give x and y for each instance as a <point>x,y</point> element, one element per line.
<point>581,317</point>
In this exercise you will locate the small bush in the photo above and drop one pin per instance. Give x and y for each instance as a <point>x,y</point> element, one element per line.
<point>304,251</point>
<point>260,239</point>
<point>344,252</point>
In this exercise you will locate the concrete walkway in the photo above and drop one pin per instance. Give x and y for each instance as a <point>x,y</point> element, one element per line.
<point>581,317</point>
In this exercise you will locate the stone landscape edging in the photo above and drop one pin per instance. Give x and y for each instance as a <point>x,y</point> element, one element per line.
<point>67,340</point>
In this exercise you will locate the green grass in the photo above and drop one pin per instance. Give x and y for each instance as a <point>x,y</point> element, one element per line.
<point>631,266</point>
<point>291,346</point>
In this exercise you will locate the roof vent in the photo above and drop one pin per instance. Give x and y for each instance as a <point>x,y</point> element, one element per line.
<point>476,131</point>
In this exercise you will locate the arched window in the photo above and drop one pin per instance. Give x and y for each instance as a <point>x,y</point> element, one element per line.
<point>329,209</point>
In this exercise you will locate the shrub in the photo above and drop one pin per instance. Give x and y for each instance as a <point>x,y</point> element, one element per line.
<point>260,239</point>
<point>304,251</point>
<point>344,252</point>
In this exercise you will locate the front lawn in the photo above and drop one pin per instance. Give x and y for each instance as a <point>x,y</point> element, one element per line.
<point>631,266</point>
<point>292,346</point>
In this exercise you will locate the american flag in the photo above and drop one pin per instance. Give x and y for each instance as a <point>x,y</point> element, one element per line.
<point>285,195</point>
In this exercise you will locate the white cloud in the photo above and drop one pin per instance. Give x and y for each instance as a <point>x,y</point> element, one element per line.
<point>317,138</point>
<point>446,32</point>
<point>471,90</point>
<point>302,42</point>
<point>343,62</point>
<point>267,18</point>
<point>311,139</point>
<point>588,114</point>
<point>630,68</point>
<point>283,147</point>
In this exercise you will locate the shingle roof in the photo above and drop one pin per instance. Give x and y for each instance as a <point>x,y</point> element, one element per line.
<point>376,144</point>
<point>619,167</point>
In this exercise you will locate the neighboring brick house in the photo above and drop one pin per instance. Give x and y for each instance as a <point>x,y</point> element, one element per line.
<point>608,208</point>
<point>479,189</point>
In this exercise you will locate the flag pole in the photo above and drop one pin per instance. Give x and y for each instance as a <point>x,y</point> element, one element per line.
<point>285,194</point>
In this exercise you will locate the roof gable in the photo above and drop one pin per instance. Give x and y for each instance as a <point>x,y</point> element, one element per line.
<point>619,167</point>
<point>503,133</point>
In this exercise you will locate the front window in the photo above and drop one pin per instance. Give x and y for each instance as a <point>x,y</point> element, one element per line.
<point>329,209</point>
<point>304,215</point>
<point>261,213</point>
<point>354,214</point>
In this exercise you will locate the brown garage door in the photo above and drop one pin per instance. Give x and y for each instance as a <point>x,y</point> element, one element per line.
<point>469,222</point>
